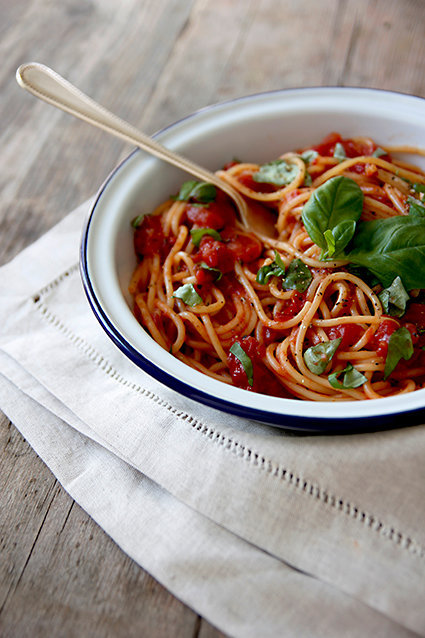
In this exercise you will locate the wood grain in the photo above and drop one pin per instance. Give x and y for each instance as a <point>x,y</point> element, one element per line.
<point>152,62</point>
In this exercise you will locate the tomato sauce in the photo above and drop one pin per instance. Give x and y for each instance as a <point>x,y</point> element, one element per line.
<point>414,320</point>
<point>230,286</point>
<point>204,277</point>
<point>149,238</point>
<point>292,306</point>
<point>263,380</point>
<point>269,335</point>
<point>352,148</point>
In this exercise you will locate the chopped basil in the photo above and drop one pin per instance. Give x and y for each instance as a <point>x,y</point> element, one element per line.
<point>218,272</point>
<point>352,378</point>
<point>309,156</point>
<point>416,208</point>
<point>419,188</point>
<point>335,206</point>
<point>400,346</point>
<point>378,152</point>
<point>136,221</point>
<point>394,298</point>
<point>275,269</point>
<point>298,276</point>
<point>339,152</point>
<point>391,247</point>
<point>198,233</point>
<point>188,294</point>
<point>245,360</point>
<point>198,191</point>
<point>279,172</point>
<point>307,179</point>
<point>318,357</point>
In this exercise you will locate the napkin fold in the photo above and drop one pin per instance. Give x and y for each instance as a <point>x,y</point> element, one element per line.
<point>260,531</point>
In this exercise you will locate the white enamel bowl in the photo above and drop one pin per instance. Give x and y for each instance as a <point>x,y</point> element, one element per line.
<point>257,128</point>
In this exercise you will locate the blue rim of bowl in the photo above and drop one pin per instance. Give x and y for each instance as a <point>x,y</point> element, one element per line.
<point>295,423</point>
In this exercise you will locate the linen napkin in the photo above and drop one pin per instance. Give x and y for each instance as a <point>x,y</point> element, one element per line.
<point>261,532</point>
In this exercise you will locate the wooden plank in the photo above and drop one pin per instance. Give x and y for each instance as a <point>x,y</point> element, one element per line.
<point>116,57</point>
<point>51,163</point>
<point>26,490</point>
<point>258,46</point>
<point>379,44</point>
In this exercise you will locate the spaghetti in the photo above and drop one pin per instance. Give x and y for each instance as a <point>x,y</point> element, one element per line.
<point>331,309</point>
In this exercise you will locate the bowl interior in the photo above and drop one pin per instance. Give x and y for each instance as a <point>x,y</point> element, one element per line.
<point>258,128</point>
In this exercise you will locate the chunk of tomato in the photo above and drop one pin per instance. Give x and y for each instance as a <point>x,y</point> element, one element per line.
<point>414,320</point>
<point>149,238</point>
<point>216,254</point>
<point>350,333</point>
<point>381,337</point>
<point>216,214</point>
<point>327,145</point>
<point>244,247</point>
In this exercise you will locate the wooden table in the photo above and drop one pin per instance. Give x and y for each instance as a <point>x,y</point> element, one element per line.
<point>151,61</point>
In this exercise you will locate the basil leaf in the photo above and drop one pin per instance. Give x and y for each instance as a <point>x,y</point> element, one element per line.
<point>391,247</point>
<point>275,269</point>
<point>298,276</point>
<point>278,260</point>
<point>264,274</point>
<point>204,266</point>
<point>343,233</point>
<point>186,189</point>
<point>400,346</point>
<point>340,235</point>
<point>418,188</point>
<point>378,152</point>
<point>279,172</point>
<point>394,298</point>
<point>136,221</point>
<point>198,191</point>
<point>198,233</point>
<point>352,378</point>
<point>416,209</point>
<point>330,240</point>
<point>339,152</point>
<point>188,294</point>
<point>336,206</point>
<point>245,360</point>
<point>317,357</point>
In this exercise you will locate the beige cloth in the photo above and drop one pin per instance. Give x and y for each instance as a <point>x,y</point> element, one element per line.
<point>262,532</point>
